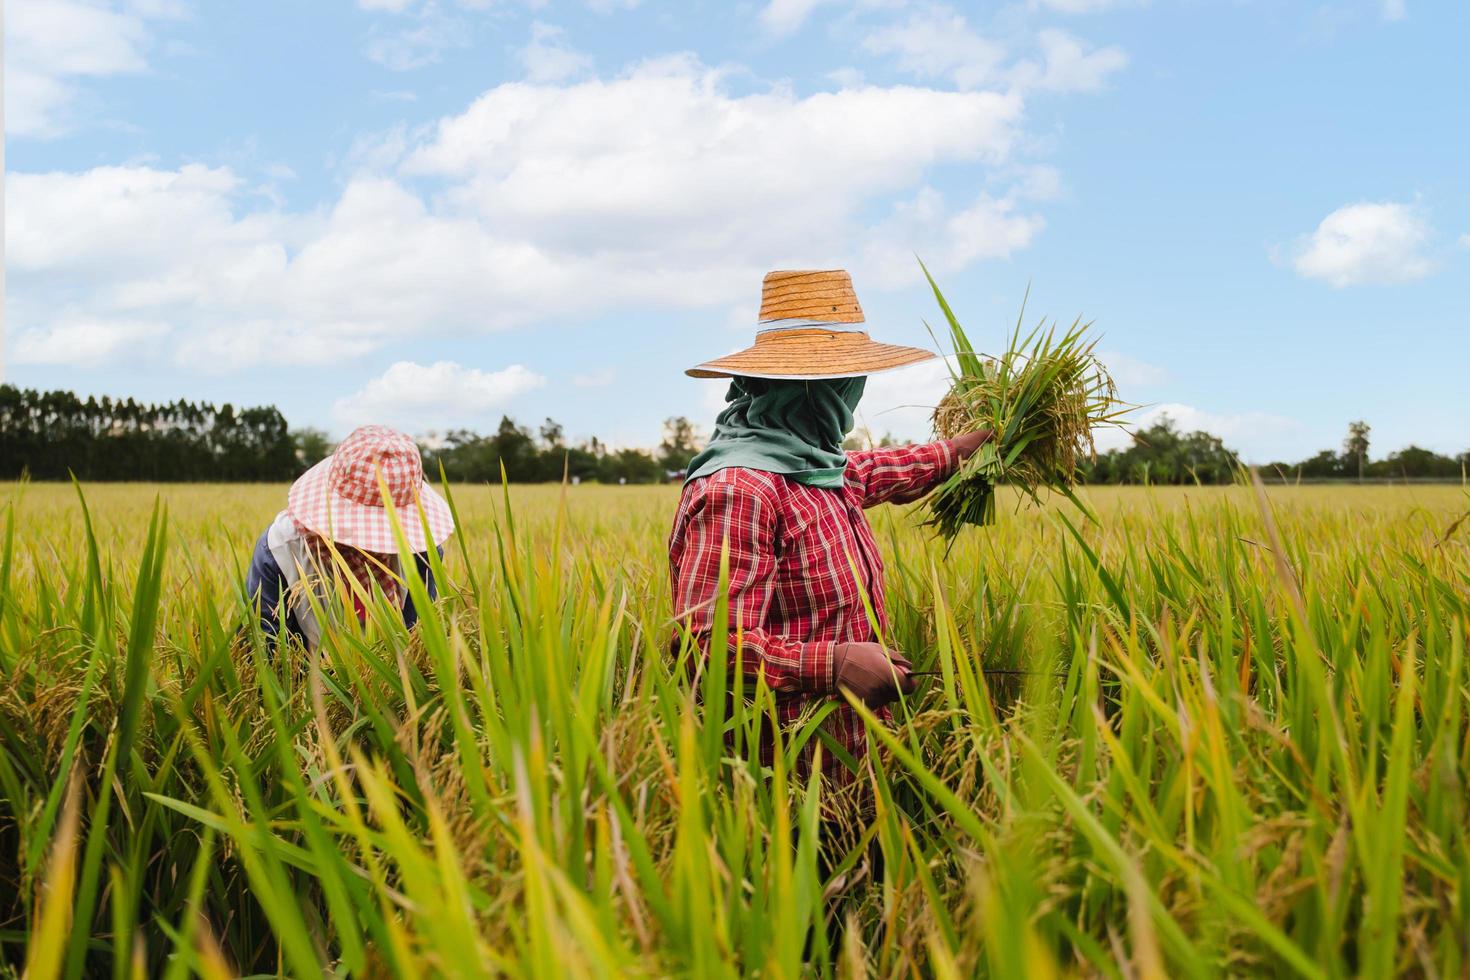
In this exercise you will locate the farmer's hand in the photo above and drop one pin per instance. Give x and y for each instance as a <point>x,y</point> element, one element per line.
<point>967,444</point>
<point>873,675</point>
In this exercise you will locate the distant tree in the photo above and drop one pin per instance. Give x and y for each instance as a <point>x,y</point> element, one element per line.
<point>630,466</point>
<point>679,444</point>
<point>515,449</point>
<point>312,446</point>
<point>1326,465</point>
<point>1355,446</point>
<point>55,434</point>
<point>581,462</point>
<point>553,460</point>
<point>1416,463</point>
<point>1161,454</point>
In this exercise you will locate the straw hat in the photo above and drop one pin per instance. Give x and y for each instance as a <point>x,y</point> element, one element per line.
<point>810,329</point>
<point>340,499</point>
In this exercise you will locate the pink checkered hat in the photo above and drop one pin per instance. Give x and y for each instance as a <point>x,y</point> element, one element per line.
<point>340,499</point>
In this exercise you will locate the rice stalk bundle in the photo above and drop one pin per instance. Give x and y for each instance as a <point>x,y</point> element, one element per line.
<point>1042,397</point>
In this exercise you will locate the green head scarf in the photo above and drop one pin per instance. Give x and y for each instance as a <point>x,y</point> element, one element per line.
<point>794,428</point>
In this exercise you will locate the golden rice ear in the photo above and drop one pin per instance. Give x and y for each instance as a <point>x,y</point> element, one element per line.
<point>950,417</point>
<point>1041,398</point>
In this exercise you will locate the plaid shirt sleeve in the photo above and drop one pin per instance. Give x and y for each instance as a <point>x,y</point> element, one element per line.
<point>901,474</point>
<point>746,515</point>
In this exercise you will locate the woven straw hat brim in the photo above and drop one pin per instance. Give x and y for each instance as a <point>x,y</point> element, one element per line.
<point>810,356</point>
<point>314,505</point>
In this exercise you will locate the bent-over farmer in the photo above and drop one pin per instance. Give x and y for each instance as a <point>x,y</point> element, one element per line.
<point>775,482</point>
<point>337,506</point>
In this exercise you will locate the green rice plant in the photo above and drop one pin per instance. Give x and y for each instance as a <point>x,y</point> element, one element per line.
<point>1042,398</point>
<point>1240,747</point>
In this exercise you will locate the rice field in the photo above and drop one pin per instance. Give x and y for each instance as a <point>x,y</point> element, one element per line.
<point>1239,746</point>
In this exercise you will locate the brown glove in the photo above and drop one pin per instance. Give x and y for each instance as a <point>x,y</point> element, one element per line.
<point>873,675</point>
<point>966,445</point>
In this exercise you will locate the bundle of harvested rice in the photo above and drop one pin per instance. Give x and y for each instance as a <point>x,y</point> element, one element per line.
<point>1042,398</point>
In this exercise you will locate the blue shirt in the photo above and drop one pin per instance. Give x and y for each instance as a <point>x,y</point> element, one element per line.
<point>265,582</point>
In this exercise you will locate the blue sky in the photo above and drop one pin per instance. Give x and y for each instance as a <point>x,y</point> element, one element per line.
<point>434,212</point>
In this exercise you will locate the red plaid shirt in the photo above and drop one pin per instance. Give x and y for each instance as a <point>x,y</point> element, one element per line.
<point>793,590</point>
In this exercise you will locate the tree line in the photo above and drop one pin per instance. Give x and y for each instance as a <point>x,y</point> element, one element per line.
<point>544,456</point>
<point>50,435</point>
<point>1162,454</point>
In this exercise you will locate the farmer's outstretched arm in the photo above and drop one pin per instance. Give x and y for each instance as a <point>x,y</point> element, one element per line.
<point>746,517</point>
<point>900,474</point>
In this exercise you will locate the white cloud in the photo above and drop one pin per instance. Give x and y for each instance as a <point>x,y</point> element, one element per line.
<point>172,9</point>
<point>900,403</point>
<point>230,345</point>
<point>1465,240</point>
<point>656,188</point>
<point>428,8</point>
<point>782,17</point>
<point>1366,243</point>
<point>546,58</point>
<point>417,33</point>
<point>144,243</point>
<point>1038,182</point>
<point>1394,9</point>
<point>417,396</point>
<point>376,152</point>
<point>83,344</point>
<point>50,45</point>
<point>847,77</point>
<point>1078,6</point>
<point>416,47</point>
<point>1068,65</point>
<point>946,238</point>
<point>937,43</point>
<point>664,159</point>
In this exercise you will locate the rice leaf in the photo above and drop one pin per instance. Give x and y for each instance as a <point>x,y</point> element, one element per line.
<point>1041,398</point>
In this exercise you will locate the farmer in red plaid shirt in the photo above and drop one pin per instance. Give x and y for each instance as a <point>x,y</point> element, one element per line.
<point>775,486</point>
